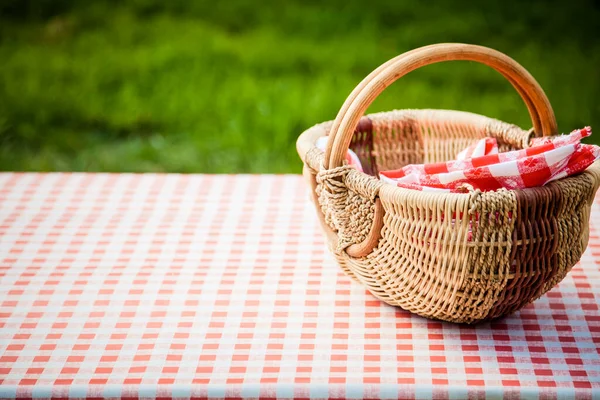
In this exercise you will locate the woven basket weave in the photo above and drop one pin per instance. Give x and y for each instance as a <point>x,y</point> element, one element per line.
<point>461,257</point>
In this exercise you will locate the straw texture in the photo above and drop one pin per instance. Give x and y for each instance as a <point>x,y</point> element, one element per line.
<point>448,256</point>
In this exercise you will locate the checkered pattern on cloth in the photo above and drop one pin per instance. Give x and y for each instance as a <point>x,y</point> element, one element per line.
<point>196,286</point>
<point>546,160</point>
<point>483,147</point>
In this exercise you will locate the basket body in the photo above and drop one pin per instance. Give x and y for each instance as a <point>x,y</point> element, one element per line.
<point>449,256</point>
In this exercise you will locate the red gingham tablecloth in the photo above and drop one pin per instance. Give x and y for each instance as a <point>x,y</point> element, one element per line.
<point>221,286</point>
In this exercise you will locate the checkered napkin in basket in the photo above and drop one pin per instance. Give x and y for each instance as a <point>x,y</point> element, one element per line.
<point>547,159</point>
<point>481,166</point>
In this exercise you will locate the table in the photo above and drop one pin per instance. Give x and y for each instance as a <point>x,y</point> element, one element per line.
<point>166,285</point>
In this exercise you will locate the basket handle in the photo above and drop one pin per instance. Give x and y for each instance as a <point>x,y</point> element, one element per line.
<point>366,92</point>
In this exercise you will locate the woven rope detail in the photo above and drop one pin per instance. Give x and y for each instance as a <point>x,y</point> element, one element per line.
<point>347,211</point>
<point>346,199</point>
<point>314,159</point>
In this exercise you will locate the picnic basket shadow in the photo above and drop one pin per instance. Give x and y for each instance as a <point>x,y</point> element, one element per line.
<point>460,257</point>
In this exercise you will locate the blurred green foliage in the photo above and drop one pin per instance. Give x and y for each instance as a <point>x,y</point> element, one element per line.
<point>193,86</point>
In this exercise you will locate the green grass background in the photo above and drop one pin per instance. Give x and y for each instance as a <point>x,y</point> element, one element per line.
<point>226,87</point>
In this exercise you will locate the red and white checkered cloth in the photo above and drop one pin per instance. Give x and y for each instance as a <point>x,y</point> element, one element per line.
<point>482,167</point>
<point>221,286</point>
<point>483,147</point>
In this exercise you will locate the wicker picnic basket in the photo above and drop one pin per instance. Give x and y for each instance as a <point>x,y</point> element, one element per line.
<point>461,257</point>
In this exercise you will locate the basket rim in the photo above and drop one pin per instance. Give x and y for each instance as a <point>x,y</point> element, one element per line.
<point>308,139</point>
